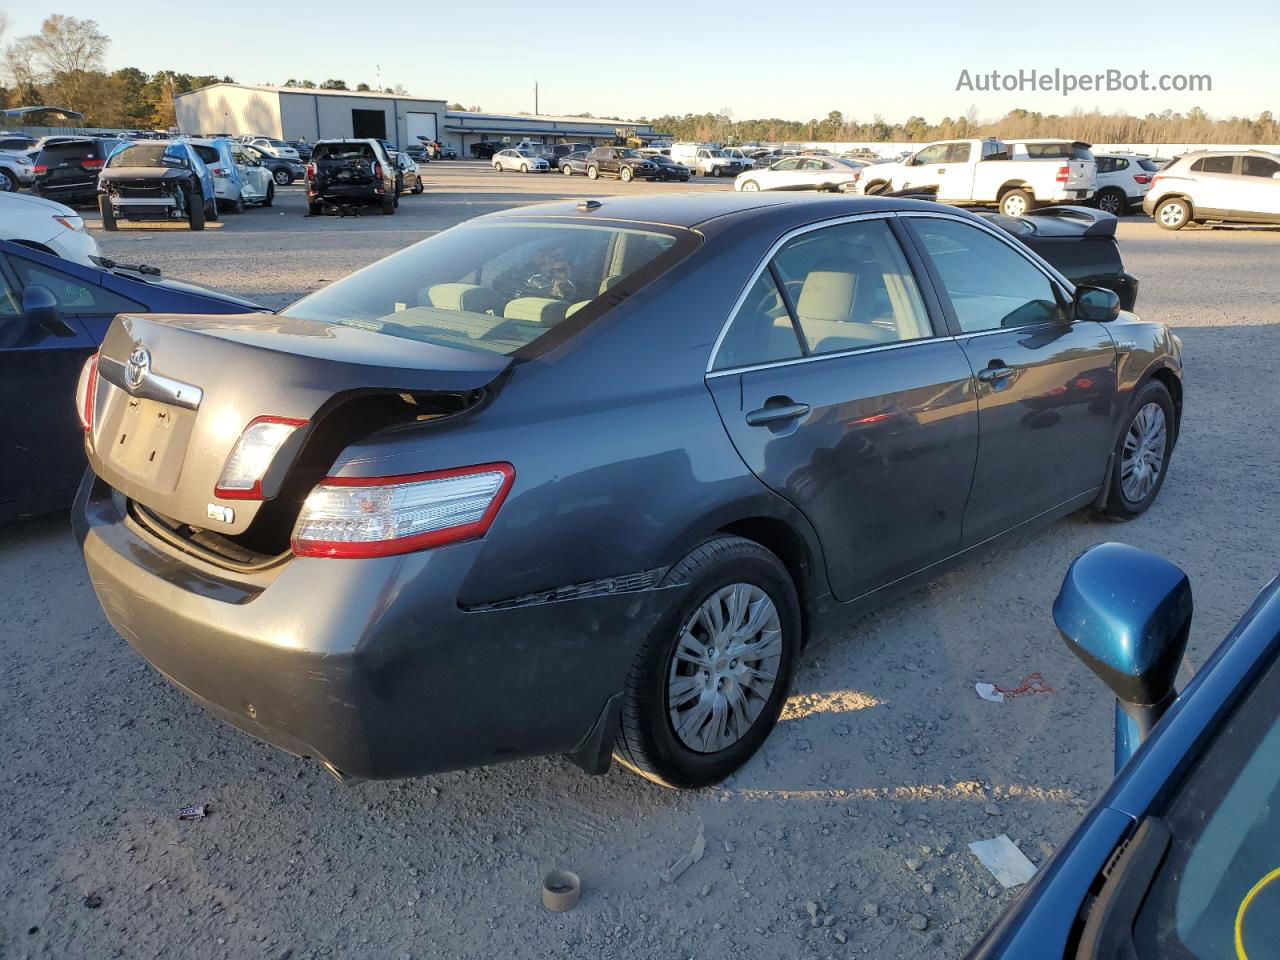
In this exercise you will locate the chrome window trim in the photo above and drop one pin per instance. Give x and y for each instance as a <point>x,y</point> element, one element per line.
<point>763,265</point>
<point>854,351</point>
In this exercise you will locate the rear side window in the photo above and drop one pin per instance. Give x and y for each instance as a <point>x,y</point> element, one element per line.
<point>958,153</point>
<point>1214,165</point>
<point>1057,151</point>
<point>1259,167</point>
<point>1148,165</point>
<point>990,284</point>
<point>499,287</point>
<point>207,154</point>
<point>843,288</point>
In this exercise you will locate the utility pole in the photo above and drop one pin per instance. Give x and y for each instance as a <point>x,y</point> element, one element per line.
<point>535,98</point>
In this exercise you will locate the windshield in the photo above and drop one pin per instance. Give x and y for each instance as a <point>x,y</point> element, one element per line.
<point>1212,899</point>
<point>148,155</point>
<point>497,287</point>
<point>716,153</point>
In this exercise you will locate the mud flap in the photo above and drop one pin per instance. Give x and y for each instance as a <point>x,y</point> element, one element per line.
<point>595,753</point>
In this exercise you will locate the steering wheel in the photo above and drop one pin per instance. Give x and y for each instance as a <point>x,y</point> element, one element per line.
<point>545,285</point>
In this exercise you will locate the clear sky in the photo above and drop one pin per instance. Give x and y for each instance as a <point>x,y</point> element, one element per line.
<point>794,59</point>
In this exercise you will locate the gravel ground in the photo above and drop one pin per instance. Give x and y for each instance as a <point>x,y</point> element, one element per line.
<point>845,837</point>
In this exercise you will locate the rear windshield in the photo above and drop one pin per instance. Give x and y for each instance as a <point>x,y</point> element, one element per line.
<point>342,151</point>
<point>61,152</point>
<point>514,288</point>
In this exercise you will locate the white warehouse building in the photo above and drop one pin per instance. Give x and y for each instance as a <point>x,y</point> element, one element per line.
<point>299,113</point>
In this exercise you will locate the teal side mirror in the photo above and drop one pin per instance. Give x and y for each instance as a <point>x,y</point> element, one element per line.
<point>1127,614</point>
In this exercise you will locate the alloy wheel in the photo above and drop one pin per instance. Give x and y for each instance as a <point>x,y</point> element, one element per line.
<point>281,177</point>
<point>1172,214</point>
<point>724,668</point>
<point>1110,203</point>
<point>1144,453</point>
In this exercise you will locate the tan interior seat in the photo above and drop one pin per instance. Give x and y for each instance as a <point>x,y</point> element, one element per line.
<point>832,301</point>
<point>536,310</point>
<point>469,297</point>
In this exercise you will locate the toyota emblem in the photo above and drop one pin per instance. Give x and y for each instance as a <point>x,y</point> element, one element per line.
<point>138,367</point>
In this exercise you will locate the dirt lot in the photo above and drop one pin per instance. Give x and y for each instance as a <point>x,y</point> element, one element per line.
<point>845,837</point>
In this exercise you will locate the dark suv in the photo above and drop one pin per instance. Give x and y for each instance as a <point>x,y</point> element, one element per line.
<point>620,162</point>
<point>67,171</point>
<point>345,173</point>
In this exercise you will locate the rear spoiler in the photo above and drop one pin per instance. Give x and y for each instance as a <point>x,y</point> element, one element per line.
<point>1096,223</point>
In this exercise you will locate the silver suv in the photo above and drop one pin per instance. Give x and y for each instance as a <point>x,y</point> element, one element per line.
<point>1239,186</point>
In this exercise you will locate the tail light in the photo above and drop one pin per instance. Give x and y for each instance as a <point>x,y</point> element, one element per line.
<point>39,168</point>
<point>86,390</point>
<point>311,170</point>
<point>92,163</point>
<point>1064,174</point>
<point>258,445</point>
<point>377,170</point>
<point>218,171</point>
<point>1141,178</point>
<point>384,516</point>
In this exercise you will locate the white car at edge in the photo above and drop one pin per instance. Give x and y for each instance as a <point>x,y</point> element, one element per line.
<point>45,225</point>
<point>803,173</point>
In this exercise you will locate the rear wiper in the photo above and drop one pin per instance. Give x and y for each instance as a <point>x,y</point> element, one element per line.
<point>108,264</point>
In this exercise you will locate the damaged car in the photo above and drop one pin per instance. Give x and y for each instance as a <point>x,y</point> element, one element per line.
<point>156,180</point>
<point>584,478</point>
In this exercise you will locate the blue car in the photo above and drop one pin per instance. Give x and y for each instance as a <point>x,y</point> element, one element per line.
<point>53,314</point>
<point>156,180</point>
<point>1180,858</point>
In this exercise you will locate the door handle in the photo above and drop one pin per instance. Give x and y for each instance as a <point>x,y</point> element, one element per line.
<point>783,411</point>
<point>995,370</point>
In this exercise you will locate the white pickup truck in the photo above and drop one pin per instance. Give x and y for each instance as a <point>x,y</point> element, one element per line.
<point>1016,175</point>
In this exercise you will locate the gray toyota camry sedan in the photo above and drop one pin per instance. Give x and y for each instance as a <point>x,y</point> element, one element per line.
<point>583,478</point>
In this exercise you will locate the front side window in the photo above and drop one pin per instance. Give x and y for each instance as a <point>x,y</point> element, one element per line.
<point>1225,826</point>
<point>1259,167</point>
<point>74,296</point>
<point>498,287</point>
<point>842,288</point>
<point>934,154</point>
<point>990,284</point>
<point>791,163</point>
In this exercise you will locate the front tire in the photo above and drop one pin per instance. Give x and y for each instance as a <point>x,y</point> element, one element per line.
<point>271,195</point>
<point>567,170</point>
<point>195,210</point>
<point>709,681</point>
<point>1173,214</point>
<point>626,174</point>
<point>524,168</point>
<point>1141,458</point>
<point>108,213</point>
<point>283,177</point>
<point>593,172</point>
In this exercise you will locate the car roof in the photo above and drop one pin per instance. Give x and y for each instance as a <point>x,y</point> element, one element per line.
<point>693,210</point>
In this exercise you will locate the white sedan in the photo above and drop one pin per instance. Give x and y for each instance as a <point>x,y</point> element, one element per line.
<point>525,161</point>
<point>46,226</point>
<point>803,173</point>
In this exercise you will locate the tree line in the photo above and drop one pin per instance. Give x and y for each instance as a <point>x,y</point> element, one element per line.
<point>1194,126</point>
<point>63,65</point>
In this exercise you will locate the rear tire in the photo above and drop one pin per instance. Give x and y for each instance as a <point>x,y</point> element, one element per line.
<point>238,206</point>
<point>715,574</point>
<point>1173,214</point>
<point>567,170</point>
<point>388,207</point>
<point>1149,435</point>
<point>1112,201</point>
<point>313,209</point>
<point>750,186</point>
<point>107,212</point>
<point>417,186</point>
<point>1017,203</point>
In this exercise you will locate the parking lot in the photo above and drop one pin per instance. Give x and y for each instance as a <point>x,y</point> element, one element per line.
<point>846,836</point>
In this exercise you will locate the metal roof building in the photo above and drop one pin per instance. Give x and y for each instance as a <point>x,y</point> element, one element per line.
<point>462,129</point>
<point>301,113</point>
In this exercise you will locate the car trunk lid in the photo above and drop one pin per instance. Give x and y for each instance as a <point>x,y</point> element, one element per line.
<point>174,393</point>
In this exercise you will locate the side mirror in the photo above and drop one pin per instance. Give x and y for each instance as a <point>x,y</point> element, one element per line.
<point>1096,303</point>
<point>40,307</point>
<point>1127,614</point>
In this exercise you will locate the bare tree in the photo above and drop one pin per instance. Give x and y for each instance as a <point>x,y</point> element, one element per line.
<point>69,45</point>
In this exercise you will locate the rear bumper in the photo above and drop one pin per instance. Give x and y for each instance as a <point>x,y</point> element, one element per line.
<point>342,191</point>
<point>368,665</point>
